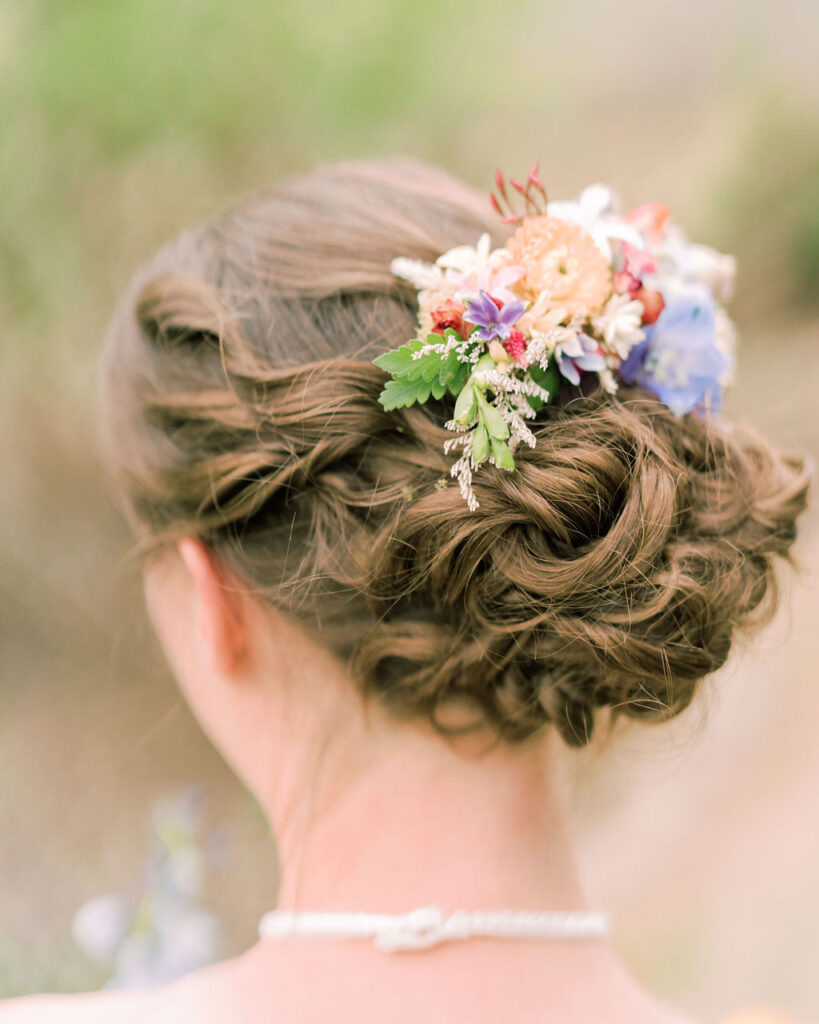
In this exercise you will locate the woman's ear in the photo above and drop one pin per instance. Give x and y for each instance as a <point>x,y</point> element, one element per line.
<point>221,621</point>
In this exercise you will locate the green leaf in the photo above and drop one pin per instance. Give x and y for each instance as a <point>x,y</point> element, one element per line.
<point>486,362</point>
<point>449,367</point>
<point>430,366</point>
<point>548,378</point>
<point>398,360</point>
<point>480,444</point>
<point>456,385</point>
<point>446,367</point>
<point>490,417</point>
<point>401,363</point>
<point>399,393</point>
<point>503,456</point>
<point>466,403</point>
<point>438,389</point>
<point>427,367</point>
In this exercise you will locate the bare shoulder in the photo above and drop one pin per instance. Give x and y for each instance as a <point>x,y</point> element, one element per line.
<point>184,1000</point>
<point>284,987</point>
<point>88,1008</point>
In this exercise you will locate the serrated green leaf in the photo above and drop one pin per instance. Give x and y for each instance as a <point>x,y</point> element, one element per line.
<point>400,393</point>
<point>438,389</point>
<point>502,454</point>
<point>425,368</point>
<point>431,368</point>
<point>480,444</point>
<point>398,360</point>
<point>449,367</point>
<point>447,372</point>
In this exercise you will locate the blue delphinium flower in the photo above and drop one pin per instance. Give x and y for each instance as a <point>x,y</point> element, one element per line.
<point>493,322</point>
<point>580,353</point>
<point>679,360</point>
<point>165,932</point>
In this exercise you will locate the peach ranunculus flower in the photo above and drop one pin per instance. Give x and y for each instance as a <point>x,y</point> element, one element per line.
<point>562,260</point>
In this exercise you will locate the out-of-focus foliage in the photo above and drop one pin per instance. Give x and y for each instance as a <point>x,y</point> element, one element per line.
<point>769,207</point>
<point>121,121</point>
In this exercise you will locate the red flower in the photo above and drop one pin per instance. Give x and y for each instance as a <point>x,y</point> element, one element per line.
<point>515,345</point>
<point>450,315</point>
<point>653,304</point>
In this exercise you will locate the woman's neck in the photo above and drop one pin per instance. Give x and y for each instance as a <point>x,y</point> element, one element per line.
<point>393,818</point>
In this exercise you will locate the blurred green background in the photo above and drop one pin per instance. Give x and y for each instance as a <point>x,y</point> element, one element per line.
<point>121,121</point>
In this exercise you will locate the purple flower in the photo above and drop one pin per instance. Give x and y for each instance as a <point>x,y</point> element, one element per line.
<point>493,322</point>
<point>581,353</point>
<point>679,360</point>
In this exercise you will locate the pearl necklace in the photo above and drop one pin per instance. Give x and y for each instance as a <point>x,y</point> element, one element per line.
<point>427,926</point>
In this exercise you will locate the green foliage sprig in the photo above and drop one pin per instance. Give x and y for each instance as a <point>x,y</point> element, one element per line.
<point>416,378</point>
<point>494,395</point>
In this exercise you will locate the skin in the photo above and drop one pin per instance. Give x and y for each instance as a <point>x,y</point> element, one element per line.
<point>369,813</point>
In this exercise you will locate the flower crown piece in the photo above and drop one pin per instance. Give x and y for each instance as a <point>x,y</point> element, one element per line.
<point>579,288</point>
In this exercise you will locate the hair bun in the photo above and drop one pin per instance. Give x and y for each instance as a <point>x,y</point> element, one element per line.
<point>611,569</point>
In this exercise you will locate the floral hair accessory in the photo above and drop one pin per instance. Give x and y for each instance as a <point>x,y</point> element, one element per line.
<point>579,288</point>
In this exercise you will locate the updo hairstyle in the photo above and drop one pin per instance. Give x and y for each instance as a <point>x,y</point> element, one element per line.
<point>611,569</point>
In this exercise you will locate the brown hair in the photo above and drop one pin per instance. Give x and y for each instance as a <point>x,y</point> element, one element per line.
<point>610,569</point>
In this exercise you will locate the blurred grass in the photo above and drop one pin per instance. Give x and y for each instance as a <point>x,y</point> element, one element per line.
<point>122,121</point>
<point>768,209</point>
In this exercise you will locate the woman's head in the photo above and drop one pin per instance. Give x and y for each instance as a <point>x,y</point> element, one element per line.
<point>609,570</point>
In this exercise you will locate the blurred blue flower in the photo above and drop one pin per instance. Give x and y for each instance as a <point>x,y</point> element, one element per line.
<point>679,360</point>
<point>164,932</point>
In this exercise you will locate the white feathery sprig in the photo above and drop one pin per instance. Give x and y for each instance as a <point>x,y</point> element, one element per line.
<point>466,350</point>
<point>463,466</point>
<point>506,383</point>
